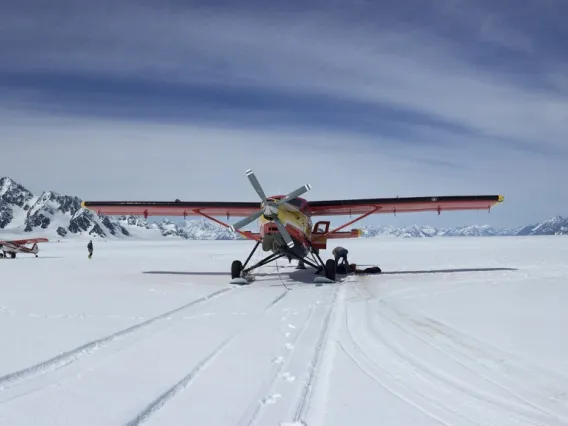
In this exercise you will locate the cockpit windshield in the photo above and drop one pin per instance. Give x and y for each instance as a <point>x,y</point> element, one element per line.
<point>296,202</point>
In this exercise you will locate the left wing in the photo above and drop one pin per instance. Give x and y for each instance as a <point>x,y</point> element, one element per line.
<point>172,208</point>
<point>403,205</point>
<point>26,241</point>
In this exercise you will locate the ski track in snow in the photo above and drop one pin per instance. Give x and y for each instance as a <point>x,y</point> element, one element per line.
<point>88,350</point>
<point>159,402</point>
<point>535,388</point>
<point>304,401</point>
<point>65,359</point>
<point>265,393</point>
<point>445,398</point>
<point>301,363</point>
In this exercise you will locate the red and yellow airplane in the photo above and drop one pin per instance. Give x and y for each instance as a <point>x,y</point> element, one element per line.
<point>285,221</point>
<point>11,247</point>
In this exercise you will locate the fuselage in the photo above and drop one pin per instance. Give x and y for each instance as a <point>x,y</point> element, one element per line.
<point>11,249</point>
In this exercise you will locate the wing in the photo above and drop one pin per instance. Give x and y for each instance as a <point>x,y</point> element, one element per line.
<point>26,241</point>
<point>172,208</point>
<point>403,205</point>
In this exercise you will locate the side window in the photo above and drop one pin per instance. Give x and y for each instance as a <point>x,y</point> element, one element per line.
<point>322,227</point>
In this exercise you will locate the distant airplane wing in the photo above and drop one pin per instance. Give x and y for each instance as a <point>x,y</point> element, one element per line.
<point>25,241</point>
<point>403,205</point>
<point>172,208</point>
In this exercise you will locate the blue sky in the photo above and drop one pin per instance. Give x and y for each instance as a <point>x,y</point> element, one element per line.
<point>171,99</point>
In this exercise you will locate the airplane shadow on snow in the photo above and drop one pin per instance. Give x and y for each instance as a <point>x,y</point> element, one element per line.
<point>204,274</point>
<point>446,271</point>
<point>306,276</point>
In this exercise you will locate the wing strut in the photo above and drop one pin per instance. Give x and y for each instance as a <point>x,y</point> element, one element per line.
<point>245,234</point>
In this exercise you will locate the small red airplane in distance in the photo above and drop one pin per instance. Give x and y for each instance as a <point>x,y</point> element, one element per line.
<point>11,247</point>
<point>285,221</point>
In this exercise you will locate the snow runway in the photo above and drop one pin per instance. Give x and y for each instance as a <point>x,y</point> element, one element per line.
<point>458,331</point>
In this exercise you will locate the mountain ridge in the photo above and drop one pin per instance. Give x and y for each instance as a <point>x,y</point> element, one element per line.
<point>61,216</point>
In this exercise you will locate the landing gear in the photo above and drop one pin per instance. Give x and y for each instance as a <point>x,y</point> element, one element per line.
<point>240,274</point>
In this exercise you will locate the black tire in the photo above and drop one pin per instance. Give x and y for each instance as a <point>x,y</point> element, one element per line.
<point>330,268</point>
<point>13,255</point>
<point>236,268</point>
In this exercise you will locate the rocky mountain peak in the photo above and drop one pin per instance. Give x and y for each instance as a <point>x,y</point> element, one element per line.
<point>15,194</point>
<point>50,212</point>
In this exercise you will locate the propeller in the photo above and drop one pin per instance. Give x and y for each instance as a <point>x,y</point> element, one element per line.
<point>270,209</point>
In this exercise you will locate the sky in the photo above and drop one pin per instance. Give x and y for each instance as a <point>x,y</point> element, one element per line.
<point>112,100</point>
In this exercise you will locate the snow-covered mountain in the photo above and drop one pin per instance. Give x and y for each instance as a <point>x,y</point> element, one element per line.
<point>554,226</point>
<point>476,231</point>
<point>415,231</point>
<point>188,229</point>
<point>61,216</point>
<point>50,214</point>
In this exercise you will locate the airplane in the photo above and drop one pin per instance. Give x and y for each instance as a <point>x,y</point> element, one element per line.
<point>285,221</point>
<point>11,247</point>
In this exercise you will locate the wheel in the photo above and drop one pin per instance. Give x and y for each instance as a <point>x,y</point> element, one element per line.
<point>330,267</point>
<point>13,255</point>
<point>236,268</point>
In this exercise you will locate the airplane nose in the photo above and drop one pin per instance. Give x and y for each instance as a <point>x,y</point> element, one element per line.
<point>270,212</point>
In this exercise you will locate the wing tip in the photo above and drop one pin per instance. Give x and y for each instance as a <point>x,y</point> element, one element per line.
<point>83,204</point>
<point>500,198</point>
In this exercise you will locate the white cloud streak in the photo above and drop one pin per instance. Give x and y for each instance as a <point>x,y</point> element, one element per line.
<point>415,71</point>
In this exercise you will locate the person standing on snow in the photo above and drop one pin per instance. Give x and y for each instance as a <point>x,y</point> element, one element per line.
<point>90,248</point>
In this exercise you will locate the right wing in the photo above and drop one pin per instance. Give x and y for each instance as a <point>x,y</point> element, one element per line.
<point>403,205</point>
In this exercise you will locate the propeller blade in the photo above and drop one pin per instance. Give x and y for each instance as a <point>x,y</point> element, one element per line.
<point>285,234</point>
<point>244,222</point>
<point>296,193</point>
<point>256,185</point>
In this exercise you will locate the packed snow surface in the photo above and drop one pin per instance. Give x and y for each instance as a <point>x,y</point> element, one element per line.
<point>456,331</point>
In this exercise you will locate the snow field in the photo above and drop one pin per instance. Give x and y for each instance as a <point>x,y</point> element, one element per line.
<point>457,331</point>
